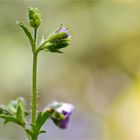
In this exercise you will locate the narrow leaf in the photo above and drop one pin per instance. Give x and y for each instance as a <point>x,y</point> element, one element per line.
<point>19,115</point>
<point>8,118</point>
<point>29,132</point>
<point>27,32</point>
<point>42,131</point>
<point>41,119</point>
<point>3,110</point>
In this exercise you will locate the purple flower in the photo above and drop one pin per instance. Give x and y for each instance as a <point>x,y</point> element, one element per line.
<point>62,114</point>
<point>66,110</point>
<point>62,29</point>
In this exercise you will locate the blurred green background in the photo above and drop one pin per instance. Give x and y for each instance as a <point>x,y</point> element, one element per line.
<point>98,72</point>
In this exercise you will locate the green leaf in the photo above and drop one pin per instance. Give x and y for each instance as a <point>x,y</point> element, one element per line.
<point>41,119</point>
<point>54,38</point>
<point>4,110</point>
<point>42,131</point>
<point>29,132</point>
<point>55,47</point>
<point>8,118</point>
<point>26,113</point>
<point>20,116</point>
<point>27,32</point>
<point>21,102</point>
<point>14,112</point>
<point>52,47</point>
<point>12,106</point>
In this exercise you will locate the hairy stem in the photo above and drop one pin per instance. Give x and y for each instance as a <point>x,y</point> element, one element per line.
<point>35,137</point>
<point>35,34</point>
<point>34,88</point>
<point>34,81</point>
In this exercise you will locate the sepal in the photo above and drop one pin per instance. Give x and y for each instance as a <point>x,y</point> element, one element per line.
<point>56,41</point>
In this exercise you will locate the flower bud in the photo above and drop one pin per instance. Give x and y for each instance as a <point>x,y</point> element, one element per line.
<point>34,17</point>
<point>59,39</point>
<point>61,34</point>
<point>54,47</point>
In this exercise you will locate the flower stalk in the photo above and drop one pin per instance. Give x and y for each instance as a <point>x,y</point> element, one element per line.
<point>34,87</point>
<point>58,112</point>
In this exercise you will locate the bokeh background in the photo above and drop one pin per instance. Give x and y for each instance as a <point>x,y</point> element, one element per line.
<point>98,72</point>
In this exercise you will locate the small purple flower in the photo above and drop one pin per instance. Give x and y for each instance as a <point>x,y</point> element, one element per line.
<point>62,114</point>
<point>62,29</point>
<point>66,110</point>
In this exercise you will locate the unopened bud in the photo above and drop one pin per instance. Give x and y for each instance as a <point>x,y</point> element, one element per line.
<point>34,17</point>
<point>59,39</point>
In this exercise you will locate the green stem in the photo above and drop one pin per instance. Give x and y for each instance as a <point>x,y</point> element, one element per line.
<point>34,81</point>
<point>34,138</point>
<point>34,88</point>
<point>35,35</point>
<point>41,47</point>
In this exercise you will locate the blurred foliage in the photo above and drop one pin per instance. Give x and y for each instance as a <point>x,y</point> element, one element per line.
<point>98,73</point>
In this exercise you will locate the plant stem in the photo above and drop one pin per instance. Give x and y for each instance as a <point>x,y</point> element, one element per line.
<point>34,86</point>
<point>35,34</point>
<point>34,81</point>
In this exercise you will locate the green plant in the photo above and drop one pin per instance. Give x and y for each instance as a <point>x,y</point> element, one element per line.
<point>16,110</point>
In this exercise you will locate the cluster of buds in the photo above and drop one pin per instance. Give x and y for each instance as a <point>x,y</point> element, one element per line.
<point>58,40</point>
